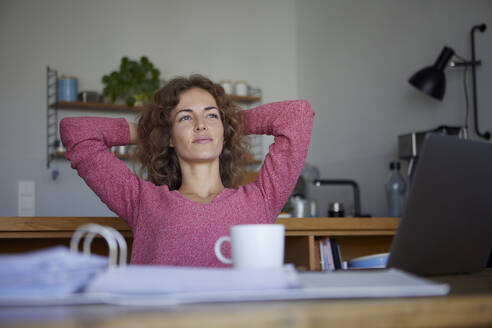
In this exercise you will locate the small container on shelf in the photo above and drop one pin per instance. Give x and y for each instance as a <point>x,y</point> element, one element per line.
<point>336,210</point>
<point>121,150</point>
<point>67,88</point>
<point>227,85</point>
<point>241,88</point>
<point>59,148</point>
<point>90,96</point>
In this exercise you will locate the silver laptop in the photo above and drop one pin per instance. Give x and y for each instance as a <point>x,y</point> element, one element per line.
<point>447,224</point>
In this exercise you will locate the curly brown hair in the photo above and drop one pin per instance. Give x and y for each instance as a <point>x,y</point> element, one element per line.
<point>158,161</point>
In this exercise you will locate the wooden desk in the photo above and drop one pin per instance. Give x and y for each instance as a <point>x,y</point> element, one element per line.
<point>356,236</point>
<point>468,305</point>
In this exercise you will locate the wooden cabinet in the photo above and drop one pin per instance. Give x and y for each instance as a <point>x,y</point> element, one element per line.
<point>356,236</point>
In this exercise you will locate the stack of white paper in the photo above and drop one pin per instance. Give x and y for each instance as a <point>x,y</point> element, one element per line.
<point>165,280</point>
<point>49,272</point>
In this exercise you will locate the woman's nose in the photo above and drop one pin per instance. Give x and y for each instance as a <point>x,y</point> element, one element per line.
<point>200,125</point>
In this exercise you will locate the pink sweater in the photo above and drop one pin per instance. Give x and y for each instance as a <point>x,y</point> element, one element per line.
<point>168,228</point>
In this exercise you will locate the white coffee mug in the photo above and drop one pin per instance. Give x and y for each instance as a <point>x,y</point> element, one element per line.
<point>254,246</point>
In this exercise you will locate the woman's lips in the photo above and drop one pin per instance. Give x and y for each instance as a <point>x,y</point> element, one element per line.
<point>202,140</point>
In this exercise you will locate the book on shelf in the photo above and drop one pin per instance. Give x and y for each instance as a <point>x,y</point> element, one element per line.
<point>328,254</point>
<point>337,256</point>
<point>322,255</point>
<point>317,258</point>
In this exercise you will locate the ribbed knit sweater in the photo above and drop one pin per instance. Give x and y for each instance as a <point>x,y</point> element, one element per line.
<point>168,228</point>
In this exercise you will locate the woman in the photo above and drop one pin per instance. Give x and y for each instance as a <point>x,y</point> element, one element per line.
<point>188,143</point>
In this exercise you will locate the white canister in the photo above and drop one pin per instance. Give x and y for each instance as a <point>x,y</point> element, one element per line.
<point>301,207</point>
<point>121,150</point>
<point>241,88</point>
<point>227,85</point>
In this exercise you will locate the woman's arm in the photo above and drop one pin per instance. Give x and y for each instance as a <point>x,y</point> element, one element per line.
<point>291,123</point>
<point>87,140</point>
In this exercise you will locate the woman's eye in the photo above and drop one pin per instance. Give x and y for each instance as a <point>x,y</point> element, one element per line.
<point>184,118</point>
<point>213,115</point>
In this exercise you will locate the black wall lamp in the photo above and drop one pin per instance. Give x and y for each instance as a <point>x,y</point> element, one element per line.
<point>432,81</point>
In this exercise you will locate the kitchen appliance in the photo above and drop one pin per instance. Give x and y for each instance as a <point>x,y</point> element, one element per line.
<point>410,145</point>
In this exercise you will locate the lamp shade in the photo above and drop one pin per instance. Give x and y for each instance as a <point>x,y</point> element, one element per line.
<point>431,79</point>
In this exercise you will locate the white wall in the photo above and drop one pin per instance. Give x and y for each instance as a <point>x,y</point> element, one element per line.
<point>223,39</point>
<point>355,58</point>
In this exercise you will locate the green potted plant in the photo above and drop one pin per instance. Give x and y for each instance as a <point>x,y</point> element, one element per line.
<point>135,82</point>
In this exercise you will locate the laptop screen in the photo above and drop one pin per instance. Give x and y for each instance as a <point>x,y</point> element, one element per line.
<point>447,224</point>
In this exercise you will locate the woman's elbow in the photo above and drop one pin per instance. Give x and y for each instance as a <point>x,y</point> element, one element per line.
<point>67,125</point>
<point>303,106</point>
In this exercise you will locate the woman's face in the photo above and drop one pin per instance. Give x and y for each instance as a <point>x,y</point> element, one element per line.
<point>197,133</point>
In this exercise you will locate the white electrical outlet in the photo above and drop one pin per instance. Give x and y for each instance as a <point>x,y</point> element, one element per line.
<point>27,198</point>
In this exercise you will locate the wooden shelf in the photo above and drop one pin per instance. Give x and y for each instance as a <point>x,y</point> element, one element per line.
<point>245,99</point>
<point>25,226</point>
<point>95,106</point>
<point>120,107</point>
<point>316,226</point>
<point>356,236</point>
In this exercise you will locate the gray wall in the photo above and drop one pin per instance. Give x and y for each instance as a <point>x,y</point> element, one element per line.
<point>355,58</point>
<point>350,59</point>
